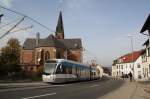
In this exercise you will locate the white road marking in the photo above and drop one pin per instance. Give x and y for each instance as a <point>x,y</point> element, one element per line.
<point>94,85</point>
<point>39,96</point>
<point>16,89</point>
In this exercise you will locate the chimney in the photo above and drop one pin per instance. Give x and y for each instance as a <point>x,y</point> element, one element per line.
<point>37,38</point>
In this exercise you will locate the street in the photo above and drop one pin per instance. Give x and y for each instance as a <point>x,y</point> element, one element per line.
<point>80,90</point>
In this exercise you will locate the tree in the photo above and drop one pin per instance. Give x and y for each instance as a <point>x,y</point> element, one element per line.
<point>10,57</point>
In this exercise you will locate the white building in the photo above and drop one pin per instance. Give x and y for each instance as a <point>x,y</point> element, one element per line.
<point>146,56</point>
<point>100,70</point>
<point>129,63</point>
<point>146,61</point>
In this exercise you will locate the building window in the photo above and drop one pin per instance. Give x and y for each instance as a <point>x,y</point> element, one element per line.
<point>121,66</point>
<point>130,66</point>
<point>47,55</point>
<point>144,58</point>
<point>138,66</point>
<point>58,53</point>
<point>117,73</point>
<point>38,55</point>
<point>139,75</point>
<point>148,51</point>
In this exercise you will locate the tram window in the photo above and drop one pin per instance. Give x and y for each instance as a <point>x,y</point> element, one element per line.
<point>59,69</point>
<point>64,71</point>
<point>51,61</point>
<point>69,69</point>
<point>73,70</point>
<point>94,73</point>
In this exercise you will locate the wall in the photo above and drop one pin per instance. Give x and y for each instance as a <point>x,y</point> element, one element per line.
<point>40,54</point>
<point>75,55</point>
<point>100,71</point>
<point>26,57</point>
<point>138,73</point>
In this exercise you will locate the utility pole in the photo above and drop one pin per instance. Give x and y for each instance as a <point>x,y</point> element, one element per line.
<point>132,50</point>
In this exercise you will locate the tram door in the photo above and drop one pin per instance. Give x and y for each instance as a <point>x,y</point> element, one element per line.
<point>78,72</point>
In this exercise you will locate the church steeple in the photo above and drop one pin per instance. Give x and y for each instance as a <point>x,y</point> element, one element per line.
<point>59,33</point>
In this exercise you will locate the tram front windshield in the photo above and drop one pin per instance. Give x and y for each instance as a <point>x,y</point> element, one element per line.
<point>49,68</point>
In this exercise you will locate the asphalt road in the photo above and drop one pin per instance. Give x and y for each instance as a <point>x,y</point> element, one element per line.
<point>82,90</point>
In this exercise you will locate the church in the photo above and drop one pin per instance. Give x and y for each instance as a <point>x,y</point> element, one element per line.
<point>35,51</point>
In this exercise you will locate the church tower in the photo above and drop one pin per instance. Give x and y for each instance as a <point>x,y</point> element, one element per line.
<point>59,33</point>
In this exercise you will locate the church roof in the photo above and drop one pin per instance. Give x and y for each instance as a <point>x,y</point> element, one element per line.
<point>50,41</point>
<point>72,43</point>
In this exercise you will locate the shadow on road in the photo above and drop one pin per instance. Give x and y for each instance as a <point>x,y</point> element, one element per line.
<point>81,82</point>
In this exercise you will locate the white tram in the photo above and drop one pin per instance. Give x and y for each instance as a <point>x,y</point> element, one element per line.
<point>61,70</point>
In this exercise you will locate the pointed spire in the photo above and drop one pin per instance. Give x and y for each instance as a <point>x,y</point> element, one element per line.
<point>60,28</point>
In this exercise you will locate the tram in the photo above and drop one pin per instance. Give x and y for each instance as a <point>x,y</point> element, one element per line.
<point>62,70</point>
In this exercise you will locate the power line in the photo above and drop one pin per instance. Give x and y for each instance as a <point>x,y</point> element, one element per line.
<point>23,29</point>
<point>12,28</point>
<point>9,23</point>
<point>92,55</point>
<point>27,17</point>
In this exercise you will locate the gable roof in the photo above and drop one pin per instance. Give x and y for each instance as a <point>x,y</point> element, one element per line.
<point>51,41</point>
<point>72,43</point>
<point>146,42</point>
<point>146,25</point>
<point>30,43</point>
<point>128,57</point>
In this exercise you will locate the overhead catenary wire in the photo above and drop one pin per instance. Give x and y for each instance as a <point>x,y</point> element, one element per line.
<point>95,59</point>
<point>27,17</point>
<point>9,23</point>
<point>22,29</point>
<point>12,28</point>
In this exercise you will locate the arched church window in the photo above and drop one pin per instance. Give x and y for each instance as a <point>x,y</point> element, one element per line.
<point>58,55</point>
<point>47,55</point>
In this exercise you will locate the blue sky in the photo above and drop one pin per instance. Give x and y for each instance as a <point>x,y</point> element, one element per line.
<point>103,25</point>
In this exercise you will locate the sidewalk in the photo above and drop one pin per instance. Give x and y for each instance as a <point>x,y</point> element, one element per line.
<point>130,90</point>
